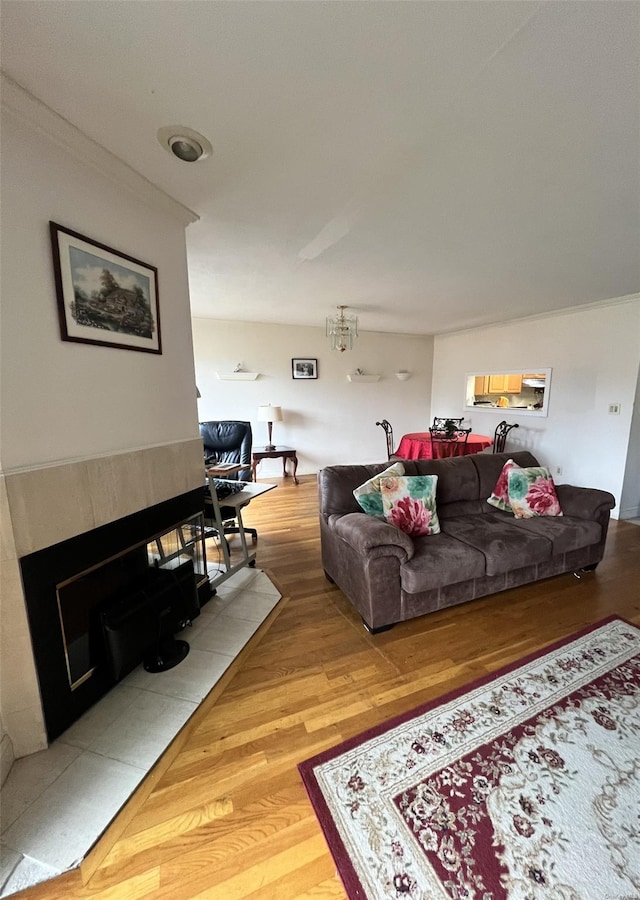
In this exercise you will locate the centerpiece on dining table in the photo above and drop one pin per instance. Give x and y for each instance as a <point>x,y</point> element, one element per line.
<point>450,428</point>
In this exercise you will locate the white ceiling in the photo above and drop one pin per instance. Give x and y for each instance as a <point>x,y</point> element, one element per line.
<point>432,165</point>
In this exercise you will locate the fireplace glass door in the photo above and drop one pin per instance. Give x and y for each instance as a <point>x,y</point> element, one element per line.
<point>83,598</point>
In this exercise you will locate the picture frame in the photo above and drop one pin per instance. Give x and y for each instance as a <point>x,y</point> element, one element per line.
<point>105,297</point>
<point>302,367</point>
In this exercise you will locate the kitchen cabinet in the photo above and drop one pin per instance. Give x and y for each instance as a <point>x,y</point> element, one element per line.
<point>497,384</point>
<point>504,384</point>
<point>481,385</point>
<point>514,384</point>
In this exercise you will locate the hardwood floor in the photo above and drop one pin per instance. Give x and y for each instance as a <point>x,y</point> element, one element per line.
<point>226,815</point>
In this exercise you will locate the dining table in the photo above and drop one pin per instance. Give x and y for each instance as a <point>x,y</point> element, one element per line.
<point>417,445</point>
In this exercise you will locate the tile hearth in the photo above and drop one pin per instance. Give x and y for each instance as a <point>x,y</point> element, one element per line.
<point>56,803</point>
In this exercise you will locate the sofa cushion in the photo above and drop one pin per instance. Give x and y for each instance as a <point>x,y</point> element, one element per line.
<point>504,546</point>
<point>368,494</point>
<point>532,492</point>
<point>409,503</point>
<point>439,560</point>
<point>566,533</point>
<point>457,478</point>
<point>500,493</point>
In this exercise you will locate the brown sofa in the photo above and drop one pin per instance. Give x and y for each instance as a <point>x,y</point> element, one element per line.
<point>390,576</point>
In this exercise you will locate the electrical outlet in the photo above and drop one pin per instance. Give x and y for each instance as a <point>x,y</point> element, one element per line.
<point>614,409</point>
<point>558,470</point>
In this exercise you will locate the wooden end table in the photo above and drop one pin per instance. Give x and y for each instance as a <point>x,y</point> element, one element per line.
<point>275,453</point>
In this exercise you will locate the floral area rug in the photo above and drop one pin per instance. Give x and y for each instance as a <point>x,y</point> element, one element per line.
<point>525,785</point>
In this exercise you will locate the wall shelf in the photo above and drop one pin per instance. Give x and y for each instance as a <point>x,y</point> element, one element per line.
<point>237,376</point>
<point>363,377</point>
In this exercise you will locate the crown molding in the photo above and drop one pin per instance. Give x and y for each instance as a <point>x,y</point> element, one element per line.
<point>548,314</point>
<point>33,112</point>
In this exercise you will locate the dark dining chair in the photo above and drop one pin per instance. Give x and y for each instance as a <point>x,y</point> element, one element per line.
<point>388,432</point>
<point>442,438</point>
<point>500,435</point>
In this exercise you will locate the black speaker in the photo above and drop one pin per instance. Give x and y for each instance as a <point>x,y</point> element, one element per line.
<point>139,626</point>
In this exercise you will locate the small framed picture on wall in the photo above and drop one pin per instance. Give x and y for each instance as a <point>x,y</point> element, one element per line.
<point>304,368</point>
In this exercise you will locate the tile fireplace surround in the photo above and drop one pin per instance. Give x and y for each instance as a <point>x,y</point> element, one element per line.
<point>45,506</point>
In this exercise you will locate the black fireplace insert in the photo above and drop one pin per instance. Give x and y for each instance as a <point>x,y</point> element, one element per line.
<point>103,602</point>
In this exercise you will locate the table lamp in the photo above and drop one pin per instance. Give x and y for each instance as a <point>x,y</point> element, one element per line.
<point>270,414</point>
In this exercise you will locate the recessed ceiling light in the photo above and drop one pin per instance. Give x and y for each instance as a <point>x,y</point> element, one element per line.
<point>185,143</point>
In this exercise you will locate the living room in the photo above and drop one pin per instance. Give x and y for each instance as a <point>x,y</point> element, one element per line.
<point>92,434</point>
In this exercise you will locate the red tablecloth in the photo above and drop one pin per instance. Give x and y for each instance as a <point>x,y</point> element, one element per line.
<point>418,446</point>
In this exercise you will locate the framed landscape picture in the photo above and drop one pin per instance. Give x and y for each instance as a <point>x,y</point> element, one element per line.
<point>304,368</point>
<point>105,297</point>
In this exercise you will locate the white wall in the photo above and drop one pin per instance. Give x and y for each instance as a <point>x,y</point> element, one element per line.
<point>594,354</point>
<point>62,400</point>
<point>328,420</point>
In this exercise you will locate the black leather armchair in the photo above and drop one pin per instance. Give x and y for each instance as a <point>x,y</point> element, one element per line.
<point>229,442</point>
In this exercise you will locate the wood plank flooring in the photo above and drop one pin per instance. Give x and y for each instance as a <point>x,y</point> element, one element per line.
<point>227,816</point>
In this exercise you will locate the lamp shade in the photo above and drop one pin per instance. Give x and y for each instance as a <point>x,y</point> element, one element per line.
<point>269,413</point>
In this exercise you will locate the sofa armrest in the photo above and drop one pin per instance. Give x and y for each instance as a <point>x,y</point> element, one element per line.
<point>365,534</point>
<point>584,503</point>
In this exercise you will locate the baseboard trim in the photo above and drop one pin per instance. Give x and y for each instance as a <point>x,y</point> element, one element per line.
<point>7,757</point>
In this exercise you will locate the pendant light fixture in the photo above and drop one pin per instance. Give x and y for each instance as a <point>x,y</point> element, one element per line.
<point>341,330</point>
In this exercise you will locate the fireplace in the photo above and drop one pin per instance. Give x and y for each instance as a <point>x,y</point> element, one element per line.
<point>100,602</point>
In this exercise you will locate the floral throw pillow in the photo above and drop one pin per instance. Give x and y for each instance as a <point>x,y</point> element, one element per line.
<point>409,503</point>
<point>532,493</point>
<point>368,494</point>
<point>500,494</point>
